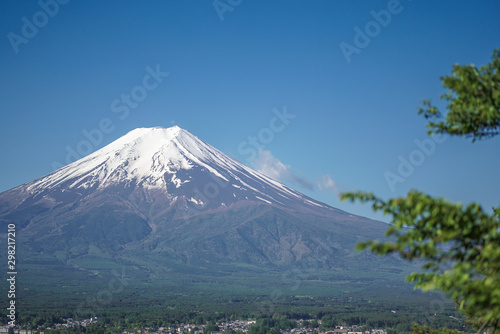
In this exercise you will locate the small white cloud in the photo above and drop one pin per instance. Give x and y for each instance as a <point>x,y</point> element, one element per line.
<point>271,166</point>
<point>327,182</point>
<point>267,164</point>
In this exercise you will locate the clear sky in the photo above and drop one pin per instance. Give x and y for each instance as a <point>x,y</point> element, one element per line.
<point>327,90</point>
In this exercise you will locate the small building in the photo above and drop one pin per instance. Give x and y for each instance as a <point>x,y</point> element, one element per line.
<point>340,331</point>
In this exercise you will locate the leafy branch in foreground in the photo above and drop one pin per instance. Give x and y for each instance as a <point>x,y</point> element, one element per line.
<point>473,102</point>
<point>459,245</point>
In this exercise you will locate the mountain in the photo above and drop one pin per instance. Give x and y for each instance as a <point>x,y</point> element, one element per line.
<point>175,218</point>
<point>162,164</point>
<point>166,192</point>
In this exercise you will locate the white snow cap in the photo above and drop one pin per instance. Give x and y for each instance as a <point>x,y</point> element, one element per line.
<point>143,155</point>
<point>150,156</point>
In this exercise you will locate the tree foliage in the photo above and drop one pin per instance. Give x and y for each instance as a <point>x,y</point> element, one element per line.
<point>473,102</point>
<point>459,245</point>
<point>416,329</point>
<point>271,325</point>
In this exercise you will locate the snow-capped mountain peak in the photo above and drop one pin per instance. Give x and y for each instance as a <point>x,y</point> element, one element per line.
<point>174,162</point>
<point>143,155</point>
<point>165,193</point>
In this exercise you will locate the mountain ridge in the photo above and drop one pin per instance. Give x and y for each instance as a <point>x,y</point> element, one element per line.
<point>132,161</point>
<point>164,192</point>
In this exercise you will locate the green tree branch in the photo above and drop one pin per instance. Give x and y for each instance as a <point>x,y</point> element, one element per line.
<point>473,102</point>
<point>459,245</point>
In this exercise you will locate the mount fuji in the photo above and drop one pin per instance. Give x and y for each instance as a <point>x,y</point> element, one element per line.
<point>165,199</point>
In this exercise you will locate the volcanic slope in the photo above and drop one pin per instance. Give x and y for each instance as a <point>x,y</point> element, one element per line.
<point>163,199</point>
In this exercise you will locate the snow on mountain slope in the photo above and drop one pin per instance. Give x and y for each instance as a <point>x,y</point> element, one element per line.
<point>173,161</point>
<point>143,155</point>
<point>162,193</point>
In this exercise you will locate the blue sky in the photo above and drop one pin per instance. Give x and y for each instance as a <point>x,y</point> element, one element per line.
<point>225,69</point>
